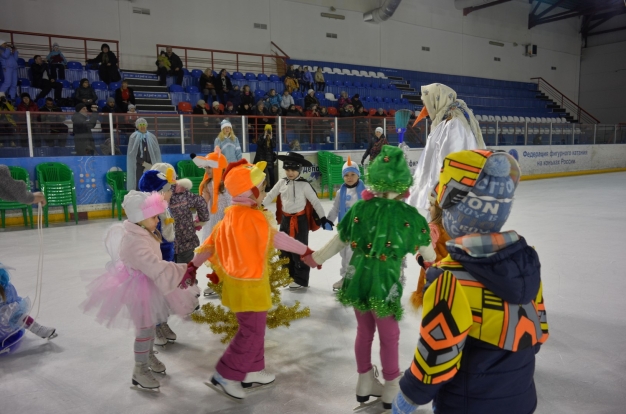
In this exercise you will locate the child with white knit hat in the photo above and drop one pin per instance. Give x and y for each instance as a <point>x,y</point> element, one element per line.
<point>228,142</point>
<point>349,193</point>
<point>138,284</point>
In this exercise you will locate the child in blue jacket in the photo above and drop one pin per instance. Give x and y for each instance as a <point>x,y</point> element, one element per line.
<point>484,318</point>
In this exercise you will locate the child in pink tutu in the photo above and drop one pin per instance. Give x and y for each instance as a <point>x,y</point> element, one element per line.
<point>139,285</point>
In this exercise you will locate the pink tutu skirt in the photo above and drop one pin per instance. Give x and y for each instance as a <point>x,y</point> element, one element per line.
<point>123,298</point>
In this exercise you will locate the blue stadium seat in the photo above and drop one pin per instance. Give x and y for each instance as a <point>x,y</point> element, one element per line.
<point>24,82</point>
<point>186,72</point>
<point>192,89</point>
<point>99,85</point>
<point>74,65</point>
<point>196,73</point>
<point>76,84</point>
<point>176,88</point>
<point>238,76</point>
<point>262,77</point>
<point>274,78</point>
<point>101,103</point>
<point>21,63</point>
<point>66,84</point>
<point>114,86</point>
<point>250,76</point>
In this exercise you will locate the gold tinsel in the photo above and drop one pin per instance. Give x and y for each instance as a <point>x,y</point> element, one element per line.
<point>224,322</point>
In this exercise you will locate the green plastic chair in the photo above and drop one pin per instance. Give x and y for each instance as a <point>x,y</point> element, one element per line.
<point>18,173</point>
<point>57,183</point>
<point>117,181</point>
<point>325,161</point>
<point>187,169</point>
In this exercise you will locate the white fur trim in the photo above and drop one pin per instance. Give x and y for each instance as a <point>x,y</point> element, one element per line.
<point>203,163</point>
<point>185,182</point>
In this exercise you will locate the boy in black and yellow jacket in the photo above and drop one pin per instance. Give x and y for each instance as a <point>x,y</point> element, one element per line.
<point>484,318</point>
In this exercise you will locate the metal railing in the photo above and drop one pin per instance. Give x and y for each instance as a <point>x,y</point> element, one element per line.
<point>46,134</point>
<point>199,58</point>
<point>579,114</point>
<point>73,47</point>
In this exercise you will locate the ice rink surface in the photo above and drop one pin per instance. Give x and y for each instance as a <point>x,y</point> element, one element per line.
<point>577,224</point>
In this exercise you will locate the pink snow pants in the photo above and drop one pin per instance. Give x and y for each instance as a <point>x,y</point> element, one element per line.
<point>246,352</point>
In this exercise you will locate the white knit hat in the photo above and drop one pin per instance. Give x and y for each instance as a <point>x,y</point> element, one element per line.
<point>226,123</point>
<point>379,129</point>
<point>140,206</point>
<point>141,121</point>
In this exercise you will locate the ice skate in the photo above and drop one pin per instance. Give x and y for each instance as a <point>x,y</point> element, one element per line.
<point>143,379</point>
<point>159,338</point>
<point>337,285</point>
<point>366,387</point>
<point>295,286</point>
<point>230,389</point>
<point>209,292</point>
<point>42,331</point>
<point>258,379</point>
<point>155,365</point>
<point>390,391</point>
<point>167,332</point>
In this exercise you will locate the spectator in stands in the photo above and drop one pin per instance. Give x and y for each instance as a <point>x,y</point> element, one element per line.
<point>272,98</point>
<point>200,124</point>
<point>109,108</point>
<point>206,84</point>
<point>307,80</point>
<point>260,109</point>
<point>200,109</point>
<point>129,120</point>
<point>8,62</point>
<point>314,110</point>
<point>356,102</point>
<point>163,67</point>
<point>319,79</point>
<point>176,65</point>
<point>343,99</point>
<point>43,79</point>
<point>294,111</point>
<point>107,65</point>
<point>538,140</point>
<point>247,97</point>
<point>286,101</point>
<point>376,144</point>
<point>362,125</point>
<point>8,126</point>
<point>223,85</point>
<point>324,112</point>
<point>262,112</point>
<point>52,124</point>
<point>27,104</point>
<point>57,62</point>
<point>234,96</point>
<point>230,109</point>
<point>265,151</point>
<point>85,94</point>
<point>215,109</point>
<point>245,109</point>
<point>347,111</point>
<point>310,99</point>
<point>361,111</point>
<point>83,122</point>
<point>297,73</point>
<point>380,113</point>
<point>291,82</point>
<point>124,96</point>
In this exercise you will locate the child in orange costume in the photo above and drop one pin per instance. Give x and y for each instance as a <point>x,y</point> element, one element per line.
<point>239,250</point>
<point>439,237</point>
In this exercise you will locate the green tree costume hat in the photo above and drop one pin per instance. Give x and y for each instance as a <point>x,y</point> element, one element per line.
<point>389,171</point>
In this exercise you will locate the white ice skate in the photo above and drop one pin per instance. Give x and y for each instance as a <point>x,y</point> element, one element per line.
<point>155,365</point>
<point>366,387</point>
<point>390,391</point>
<point>167,332</point>
<point>258,379</point>
<point>42,331</point>
<point>229,388</point>
<point>295,286</point>
<point>159,338</point>
<point>143,379</point>
<point>337,285</point>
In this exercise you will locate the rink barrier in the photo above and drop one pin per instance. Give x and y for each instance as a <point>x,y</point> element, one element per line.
<point>570,174</point>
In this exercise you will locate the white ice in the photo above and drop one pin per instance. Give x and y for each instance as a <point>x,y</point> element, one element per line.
<point>577,225</point>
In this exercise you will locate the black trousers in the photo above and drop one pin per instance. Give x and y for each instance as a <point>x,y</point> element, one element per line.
<point>298,270</point>
<point>46,86</point>
<point>178,74</point>
<point>58,70</point>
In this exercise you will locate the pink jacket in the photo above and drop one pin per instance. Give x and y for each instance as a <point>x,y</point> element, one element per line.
<point>139,250</point>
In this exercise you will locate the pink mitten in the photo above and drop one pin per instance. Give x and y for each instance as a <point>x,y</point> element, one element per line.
<point>307,258</point>
<point>189,279</point>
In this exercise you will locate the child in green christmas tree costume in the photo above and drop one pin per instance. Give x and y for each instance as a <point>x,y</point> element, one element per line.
<point>381,229</point>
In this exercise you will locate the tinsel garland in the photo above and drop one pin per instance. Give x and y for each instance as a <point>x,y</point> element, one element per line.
<point>224,322</point>
<point>380,307</point>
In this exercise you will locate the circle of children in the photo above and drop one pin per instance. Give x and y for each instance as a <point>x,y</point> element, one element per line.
<point>483,316</point>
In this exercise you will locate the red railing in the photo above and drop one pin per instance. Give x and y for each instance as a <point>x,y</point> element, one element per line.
<point>566,103</point>
<point>73,47</point>
<point>199,58</point>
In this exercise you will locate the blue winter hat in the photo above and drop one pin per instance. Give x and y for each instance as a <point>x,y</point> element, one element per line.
<point>153,180</point>
<point>487,205</point>
<point>350,166</point>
